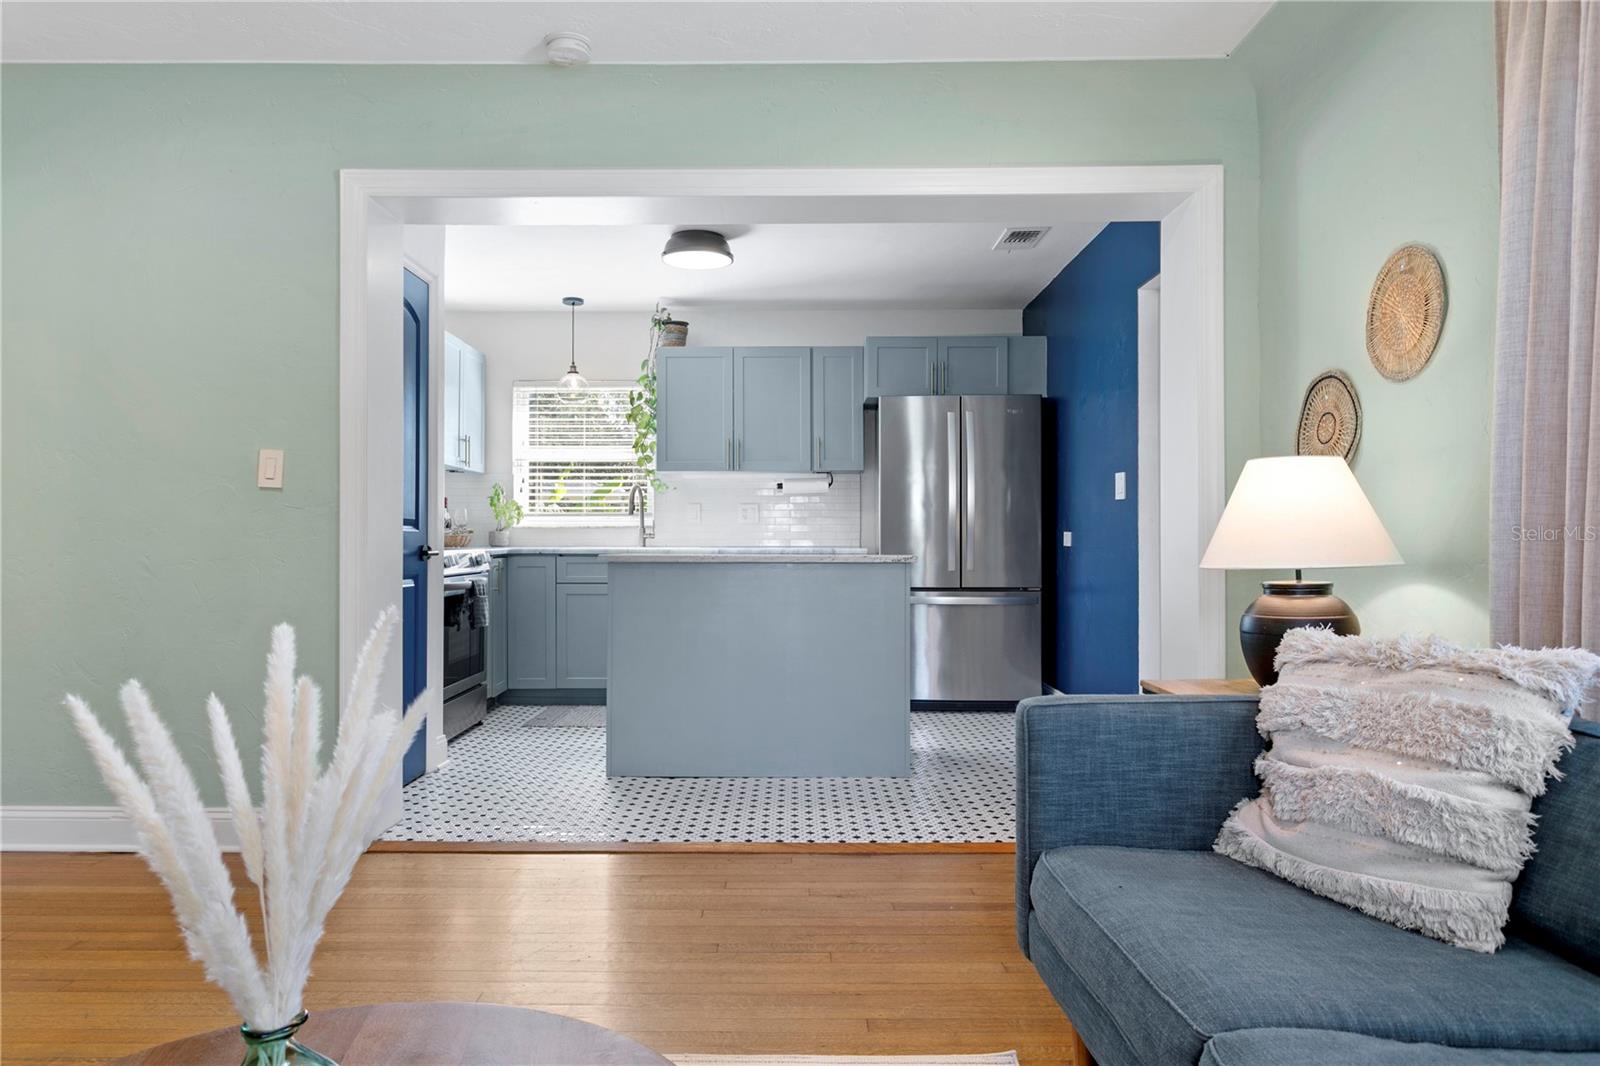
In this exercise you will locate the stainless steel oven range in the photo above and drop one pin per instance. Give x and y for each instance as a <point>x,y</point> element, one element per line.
<point>466,643</point>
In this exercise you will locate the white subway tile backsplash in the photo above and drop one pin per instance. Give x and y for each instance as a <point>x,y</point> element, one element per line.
<point>695,510</point>
<point>827,519</point>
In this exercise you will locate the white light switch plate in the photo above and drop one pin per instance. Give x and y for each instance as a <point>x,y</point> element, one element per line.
<point>1066,538</point>
<point>749,513</point>
<point>269,468</point>
<point>1121,482</point>
<point>692,514</point>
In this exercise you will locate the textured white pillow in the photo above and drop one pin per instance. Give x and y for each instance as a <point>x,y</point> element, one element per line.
<point>1401,771</point>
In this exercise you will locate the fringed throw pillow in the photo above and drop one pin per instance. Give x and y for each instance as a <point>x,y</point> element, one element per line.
<point>1400,774</point>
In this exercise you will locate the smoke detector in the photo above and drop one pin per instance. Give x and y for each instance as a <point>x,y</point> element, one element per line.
<point>567,49</point>
<point>1016,238</point>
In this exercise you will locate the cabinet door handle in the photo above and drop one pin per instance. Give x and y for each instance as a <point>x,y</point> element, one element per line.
<point>738,453</point>
<point>729,449</point>
<point>931,388</point>
<point>819,453</point>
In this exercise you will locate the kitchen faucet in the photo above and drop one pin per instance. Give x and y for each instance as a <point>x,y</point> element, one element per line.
<point>636,503</point>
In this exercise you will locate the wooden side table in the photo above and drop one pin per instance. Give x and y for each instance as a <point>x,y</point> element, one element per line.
<point>1204,686</point>
<point>427,1034</point>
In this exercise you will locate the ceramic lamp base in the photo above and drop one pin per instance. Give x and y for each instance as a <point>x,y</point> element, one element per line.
<point>1286,605</point>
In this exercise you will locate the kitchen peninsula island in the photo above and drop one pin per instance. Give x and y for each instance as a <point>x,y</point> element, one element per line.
<point>758,665</point>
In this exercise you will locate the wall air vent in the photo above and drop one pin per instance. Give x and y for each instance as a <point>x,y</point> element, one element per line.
<point>1017,238</point>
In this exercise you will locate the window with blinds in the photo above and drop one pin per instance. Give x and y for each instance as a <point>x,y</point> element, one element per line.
<point>573,459</point>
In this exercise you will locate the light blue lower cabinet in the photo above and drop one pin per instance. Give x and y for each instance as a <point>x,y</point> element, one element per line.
<point>531,621</point>
<point>584,624</point>
<point>496,653</point>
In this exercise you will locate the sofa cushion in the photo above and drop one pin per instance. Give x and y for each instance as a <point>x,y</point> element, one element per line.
<point>1192,944</point>
<point>1100,1026</point>
<point>1554,904</point>
<point>1319,1047</point>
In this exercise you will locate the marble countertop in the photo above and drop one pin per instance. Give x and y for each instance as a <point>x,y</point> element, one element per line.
<point>625,550</point>
<point>746,556</point>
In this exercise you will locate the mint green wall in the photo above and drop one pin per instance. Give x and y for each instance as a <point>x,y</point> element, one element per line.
<point>1378,128</point>
<point>170,306</point>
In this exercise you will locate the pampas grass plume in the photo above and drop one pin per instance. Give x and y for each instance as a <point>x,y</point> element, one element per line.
<point>299,850</point>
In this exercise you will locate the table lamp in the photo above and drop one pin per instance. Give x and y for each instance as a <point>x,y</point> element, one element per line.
<point>1295,512</point>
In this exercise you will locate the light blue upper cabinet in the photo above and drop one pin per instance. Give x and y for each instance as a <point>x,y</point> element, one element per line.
<point>694,409</point>
<point>901,366</point>
<point>473,387</point>
<point>1025,365</point>
<point>972,366</point>
<point>450,432</point>
<point>837,395</point>
<point>465,387</point>
<point>772,409</point>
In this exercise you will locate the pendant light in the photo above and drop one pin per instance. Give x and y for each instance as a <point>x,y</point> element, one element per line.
<point>697,249</point>
<point>573,384</point>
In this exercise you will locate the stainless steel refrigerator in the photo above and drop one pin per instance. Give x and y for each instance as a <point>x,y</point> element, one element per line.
<point>958,487</point>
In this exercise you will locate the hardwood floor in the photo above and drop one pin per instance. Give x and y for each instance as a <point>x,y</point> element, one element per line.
<point>821,953</point>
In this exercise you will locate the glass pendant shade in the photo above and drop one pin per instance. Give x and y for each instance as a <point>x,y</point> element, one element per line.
<point>572,383</point>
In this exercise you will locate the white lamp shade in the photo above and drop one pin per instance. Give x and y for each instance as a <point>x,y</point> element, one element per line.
<point>1294,512</point>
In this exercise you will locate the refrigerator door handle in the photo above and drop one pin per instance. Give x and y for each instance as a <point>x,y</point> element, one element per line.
<point>953,489</point>
<point>1007,599</point>
<point>970,519</point>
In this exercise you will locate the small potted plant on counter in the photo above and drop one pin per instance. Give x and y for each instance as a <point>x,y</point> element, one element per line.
<point>507,513</point>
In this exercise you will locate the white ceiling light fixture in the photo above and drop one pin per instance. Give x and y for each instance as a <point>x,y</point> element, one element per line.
<point>567,49</point>
<point>697,249</point>
<point>573,384</point>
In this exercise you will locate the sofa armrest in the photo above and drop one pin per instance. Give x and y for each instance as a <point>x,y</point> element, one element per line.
<point>1128,771</point>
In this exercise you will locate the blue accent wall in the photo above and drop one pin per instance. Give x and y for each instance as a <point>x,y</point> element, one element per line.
<point>1090,313</point>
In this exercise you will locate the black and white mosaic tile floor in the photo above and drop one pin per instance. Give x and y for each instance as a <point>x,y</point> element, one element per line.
<point>515,778</point>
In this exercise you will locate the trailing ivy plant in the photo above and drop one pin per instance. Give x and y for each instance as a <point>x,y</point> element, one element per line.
<point>642,404</point>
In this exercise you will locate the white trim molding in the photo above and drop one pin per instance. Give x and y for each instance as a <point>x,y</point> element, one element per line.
<point>30,828</point>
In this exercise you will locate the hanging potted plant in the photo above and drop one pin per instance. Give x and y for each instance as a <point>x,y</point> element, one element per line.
<point>642,400</point>
<point>666,331</point>
<point>507,514</point>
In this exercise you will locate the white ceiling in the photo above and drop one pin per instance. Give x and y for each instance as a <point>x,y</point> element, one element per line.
<point>926,264</point>
<point>663,31</point>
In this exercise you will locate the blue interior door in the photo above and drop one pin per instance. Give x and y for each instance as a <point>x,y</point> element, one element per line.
<point>414,549</point>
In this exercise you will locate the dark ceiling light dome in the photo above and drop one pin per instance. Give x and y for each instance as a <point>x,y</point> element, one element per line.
<point>697,249</point>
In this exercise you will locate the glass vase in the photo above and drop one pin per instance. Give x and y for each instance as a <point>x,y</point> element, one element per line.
<point>279,1047</point>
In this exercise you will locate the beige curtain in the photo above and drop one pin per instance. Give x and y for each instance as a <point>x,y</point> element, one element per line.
<point>1545,545</point>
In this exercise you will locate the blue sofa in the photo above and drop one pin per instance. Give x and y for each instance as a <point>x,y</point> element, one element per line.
<point>1163,953</point>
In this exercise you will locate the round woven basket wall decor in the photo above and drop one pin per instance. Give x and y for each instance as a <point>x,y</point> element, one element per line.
<point>1330,418</point>
<point>1405,313</point>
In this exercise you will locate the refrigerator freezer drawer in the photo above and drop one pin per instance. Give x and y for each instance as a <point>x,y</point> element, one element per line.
<point>975,645</point>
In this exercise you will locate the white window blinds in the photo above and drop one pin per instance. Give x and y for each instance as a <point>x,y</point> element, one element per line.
<point>573,459</point>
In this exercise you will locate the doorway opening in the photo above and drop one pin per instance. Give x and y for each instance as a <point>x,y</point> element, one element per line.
<point>386,214</point>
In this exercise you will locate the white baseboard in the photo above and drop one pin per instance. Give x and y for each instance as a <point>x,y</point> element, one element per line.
<point>32,828</point>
